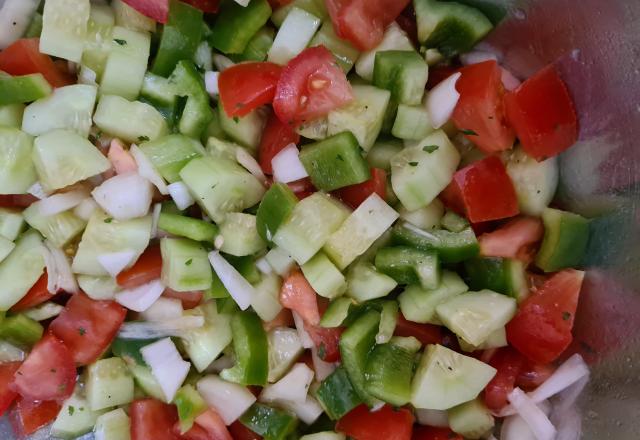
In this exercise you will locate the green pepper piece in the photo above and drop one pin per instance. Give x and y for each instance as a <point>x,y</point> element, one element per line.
<point>190,405</point>
<point>246,266</point>
<point>22,89</point>
<point>502,275</point>
<point>258,47</point>
<point>388,373</point>
<point>180,37</point>
<point>20,330</point>
<point>188,227</point>
<point>337,395</point>
<point>196,114</point>
<point>452,247</point>
<point>275,208</point>
<point>270,423</point>
<point>251,349</point>
<point>236,25</point>
<point>226,305</point>
<point>566,236</point>
<point>408,265</point>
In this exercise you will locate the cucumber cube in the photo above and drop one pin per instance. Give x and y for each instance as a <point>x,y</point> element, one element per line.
<point>394,39</point>
<point>169,154</point>
<point>188,227</point>
<point>11,223</point>
<point>98,288</point>
<point>496,339</point>
<point>315,7</point>
<point>265,301</point>
<point>22,89</point>
<point>114,425</point>
<point>6,246</point>
<point>472,419</point>
<point>412,122</point>
<point>240,235</point>
<point>284,348</point>
<point>407,265</point>
<point>59,229</point>
<point>75,418</point>
<point>21,269</point>
<point>17,172</point>
<point>275,207</point>
<point>325,278</point>
<point>294,35</point>
<point>337,395</point>
<point>109,383</point>
<point>343,50</point>
<point>403,73</point>
<point>98,42</point>
<point>245,130</point>
<point>566,236</point>
<point>129,120</point>
<point>11,115</point>
<point>127,62</point>
<point>364,283</point>
<point>205,344</point>
<point>185,266</point>
<point>379,156</point>
<point>64,27</point>
<point>280,261</point>
<point>336,313</point>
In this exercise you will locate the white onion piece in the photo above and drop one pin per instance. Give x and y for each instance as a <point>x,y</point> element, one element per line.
<point>432,417</point>
<point>163,309</point>
<point>37,191</point>
<point>509,81</point>
<point>323,369</point>
<point>230,400</point>
<point>147,170</point>
<point>167,366</point>
<point>59,273</point>
<point>239,288</point>
<point>142,297</point>
<point>155,217</point>
<point>211,83</point>
<point>221,62</point>
<point>125,196</point>
<point>10,353</point>
<point>115,262</point>
<point>222,363</point>
<point>44,311</point>
<point>566,399</point>
<point>87,76</point>
<point>477,56</point>
<point>442,100</point>
<point>180,194</point>
<point>85,209</point>
<point>263,266</point>
<point>305,339</point>
<point>572,370</point>
<point>568,424</point>
<point>515,428</point>
<point>526,408</point>
<point>250,164</point>
<point>15,16</point>
<point>292,388</point>
<point>244,3</point>
<point>287,166</point>
<point>154,330</point>
<point>58,203</point>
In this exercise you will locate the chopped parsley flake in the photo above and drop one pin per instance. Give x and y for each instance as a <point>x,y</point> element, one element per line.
<point>430,148</point>
<point>120,42</point>
<point>469,132</point>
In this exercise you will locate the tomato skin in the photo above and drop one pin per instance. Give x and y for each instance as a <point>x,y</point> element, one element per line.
<point>509,363</point>
<point>23,57</point>
<point>275,137</point>
<point>155,9</point>
<point>48,372</point>
<point>425,333</point>
<point>354,195</point>
<point>240,432</point>
<point>437,74</point>
<point>7,395</point>
<point>213,425</point>
<point>310,86</point>
<point>30,416</point>
<point>481,107</point>
<point>207,6</point>
<point>87,327</point>
<point>152,419</point>
<point>387,423</point>
<point>35,296</point>
<point>516,239</point>
<point>189,300</point>
<point>326,340</point>
<point>247,86</point>
<point>532,375</point>
<point>543,114</point>
<point>146,269</point>
<point>482,191</point>
<point>282,319</point>
<point>433,433</point>
<point>298,295</point>
<point>541,330</point>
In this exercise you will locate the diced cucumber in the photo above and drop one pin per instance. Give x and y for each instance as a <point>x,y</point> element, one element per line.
<point>294,35</point>
<point>11,223</point>
<point>271,423</point>
<point>237,24</point>
<point>246,130</point>
<point>258,47</point>
<point>59,229</point>
<point>23,89</point>
<point>220,186</point>
<point>453,222</point>
<point>475,315</point>
<point>337,395</point>
<point>445,379</point>
<point>275,208</point>
<point>324,276</point>
<point>363,117</point>
<point>364,282</point>
<point>98,288</point>
<point>75,418</point>
<point>104,235</point>
<point>63,157</point>
<point>394,39</point>
<point>220,148</point>
<point>129,120</point>
<point>496,339</point>
<point>502,275</point>
<point>403,73</point>
<point>336,313</point>
<point>159,91</point>
<point>412,122</point>
<point>265,302</point>
<point>343,50</point>
<point>64,26</point>
<point>190,405</point>
<point>11,115</point>
<point>169,154</point>
<point>284,348</point>
<point>17,172</point>
<point>114,425</point>
<point>379,156</point>
<point>146,381</point>
<point>419,305</point>
<point>240,235</point>
<point>535,182</point>
<point>98,41</point>
<point>420,173</point>
<point>452,247</point>
<point>389,370</point>
<point>6,246</point>
<point>316,129</point>
<point>359,231</point>
<point>68,107</point>
<point>472,419</point>
<point>21,331</point>
<point>205,344</point>
<point>127,62</point>
<point>450,27</point>
<point>310,225</point>
<point>315,7</point>
<point>427,217</point>
<point>185,266</point>
<point>388,322</point>
<point>21,269</point>
<point>280,261</point>
<point>410,266</point>
<point>197,112</point>
<point>109,384</point>
<point>129,18</point>
<point>566,236</point>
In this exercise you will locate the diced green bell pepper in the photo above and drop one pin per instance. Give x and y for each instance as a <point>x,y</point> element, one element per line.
<point>22,89</point>
<point>20,330</point>
<point>197,112</point>
<point>566,236</point>
<point>452,247</point>
<point>188,227</point>
<point>251,349</point>
<point>236,25</point>
<point>337,395</point>
<point>269,422</point>
<point>388,373</point>
<point>408,265</point>
<point>276,206</point>
<point>502,275</point>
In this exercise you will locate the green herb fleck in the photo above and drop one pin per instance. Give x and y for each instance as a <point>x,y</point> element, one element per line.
<point>71,410</point>
<point>236,119</point>
<point>188,262</point>
<point>340,158</point>
<point>322,351</point>
<point>143,138</point>
<point>82,331</point>
<point>566,316</point>
<point>430,148</point>
<point>108,220</point>
<point>413,164</point>
<point>120,42</point>
<point>469,132</point>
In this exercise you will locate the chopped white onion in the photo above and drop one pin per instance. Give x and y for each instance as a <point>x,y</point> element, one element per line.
<point>287,166</point>
<point>323,369</point>
<point>305,339</point>
<point>180,194</point>
<point>568,424</point>
<point>230,400</point>
<point>87,76</point>
<point>442,100</point>
<point>221,62</point>
<point>263,266</point>
<point>147,170</point>
<point>58,203</point>
<point>526,408</point>
<point>515,428</point>
<point>115,262</point>
<point>15,16</point>
<point>433,417</point>
<point>477,56</point>
<point>250,164</point>
<point>211,83</point>
<point>292,388</point>
<point>37,191</point>
<point>167,366</point>
<point>10,353</point>
<point>59,273</point>
<point>85,209</point>
<point>142,297</point>
<point>125,196</point>
<point>244,3</point>
<point>155,217</point>
<point>154,330</point>
<point>566,399</point>
<point>509,81</point>
<point>44,311</point>
<point>163,309</point>
<point>239,288</point>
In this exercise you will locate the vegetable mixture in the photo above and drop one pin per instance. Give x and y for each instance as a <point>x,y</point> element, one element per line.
<point>281,219</point>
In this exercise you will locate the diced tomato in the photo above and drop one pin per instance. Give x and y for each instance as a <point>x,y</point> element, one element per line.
<point>196,432</point>
<point>302,188</point>
<point>247,86</point>
<point>189,300</point>
<point>152,419</point>
<point>146,269</point>
<point>363,22</point>
<point>48,372</point>
<point>7,395</point>
<point>121,160</point>
<point>516,239</point>
<point>543,115</point>
<point>208,6</point>
<point>541,330</point>
<point>438,74</point>
<point>23,58</point>
<point>240,432</point>
<point>387,423</point>
<point>275,137</point>
<point>155,9</point>
<point>408,22</point>
<point>433,433</point>
<point>310,86</point>
<point>282,319</point>
<point>532,375</point>
<point>17,200</point>
<point>279,3</point>
<point>480,110</point>
<point>35,296</point>
<point>354,195</point>
<point>29,416</point>
<point>298,295</point>
<point>508,362</point>
<point>482,191</point>
<point>326,341</point>
<point>211,422</point>
<point>87,326</point>
<point>425,333</point>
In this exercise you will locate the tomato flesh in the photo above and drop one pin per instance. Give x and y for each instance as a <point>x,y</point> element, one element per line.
<point>508,363</point>
<point>207,6</point>
<point>240,432</point>
<point>38,294</point>
<point>387,423</point>
<point>275,137</point>
<point>516,239</point>
<point>433,433</point>
<point>30,416</point>
<point>541,330</point>
<point>189,300</point>
<point>298,295</point>
<point>152,419</point>
<point>354,195</point>
<point>326,340</point>
<point>246,86</point>
<point>543,115</point>
<point>7,395</point>
<point>87,327</point>
<point>310,86</point>
<point>155,9</point>
<point>425,333</point>
<point>146,269</point>
<point>480,109</point>
<point>23,58</point>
